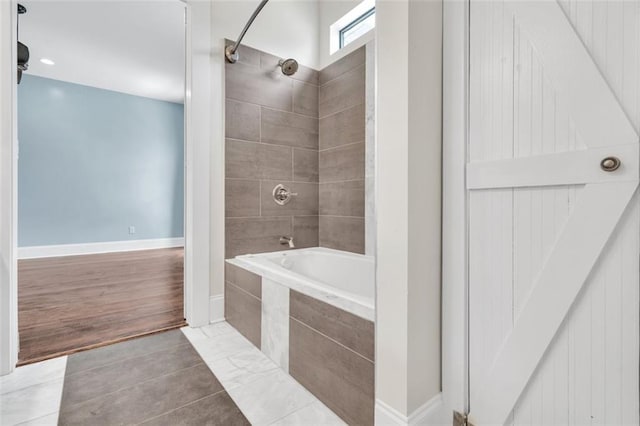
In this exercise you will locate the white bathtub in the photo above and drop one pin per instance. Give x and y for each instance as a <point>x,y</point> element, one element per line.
<point>344,280</point>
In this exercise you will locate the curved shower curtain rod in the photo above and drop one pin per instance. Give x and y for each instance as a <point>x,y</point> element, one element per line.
<point>231,52</point>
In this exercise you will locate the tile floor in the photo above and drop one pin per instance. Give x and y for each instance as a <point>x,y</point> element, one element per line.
<point>144,381</point>
<point>161,379</point>
<point>31,395</point>
<point>265,394</point>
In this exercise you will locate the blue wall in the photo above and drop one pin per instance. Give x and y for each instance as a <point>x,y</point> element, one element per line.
<point>93,162</point>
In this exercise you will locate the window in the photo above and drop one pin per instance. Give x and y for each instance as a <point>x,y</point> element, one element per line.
<point>359,26</point>
<point>354,28</point>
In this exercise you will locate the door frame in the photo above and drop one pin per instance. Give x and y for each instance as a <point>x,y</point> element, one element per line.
<point>197,112</point>
<point>455,277</point>
<point>8,193</point>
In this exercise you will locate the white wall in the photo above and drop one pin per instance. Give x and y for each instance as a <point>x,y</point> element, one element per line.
<point>330,11</point>
<point>198,213</point>
<point>285,28</point>
<point>409,143</point>
<point>454,253</point>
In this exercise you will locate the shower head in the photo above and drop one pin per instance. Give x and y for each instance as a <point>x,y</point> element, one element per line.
<point>289,66</point>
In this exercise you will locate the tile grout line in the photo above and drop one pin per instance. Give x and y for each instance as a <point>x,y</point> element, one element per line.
<point>64,379</point>
<point>266,376</point>
<point>246,292</point>
<point>293,164</point>
<point>259,198</point>
<point>299,409</point>
<point>274,217</point>
<point>189,403</point>
<point>292,213</point>
<point>341,181</point>
<point>31,421</point>
<point>246,384</point>
<point>138,383</point>
<point>261,179</point>
<point>38,383</point>
<point>278,180</point>
<point>260,125</point>
<point>343,217</point>
<point>127,358</point>
<point>272,144</point>
<point>293,97</point>
<point>48,382</point>
<point>262,376</point>
<point>259,376</point>
<point>332,182</point>
<point>324,117</point>
<point>265,68</point>
<point>307,82</point>
<point>305,149</point>
<point>333,148</point>
<point>354,67</point>
<point>230,330</point>
<point>272,108</point>
<point>333,340</point>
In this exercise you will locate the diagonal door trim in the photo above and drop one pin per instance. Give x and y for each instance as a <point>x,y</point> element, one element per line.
<point>592,105</point>
<point>597,211</point>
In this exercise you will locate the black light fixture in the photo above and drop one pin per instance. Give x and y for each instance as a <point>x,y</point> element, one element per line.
<point>23,50</point>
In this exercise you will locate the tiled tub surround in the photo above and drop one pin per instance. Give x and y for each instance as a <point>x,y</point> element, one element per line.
<point>309,310</point>
<point>342,111</point>
<point>306,131</point>
<point>331,353</point>
<point>315,321</point>
<point>243,302</point>
<point>271,130</point>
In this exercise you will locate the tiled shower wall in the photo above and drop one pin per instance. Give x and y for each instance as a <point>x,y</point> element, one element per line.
<point>342,153</point>
<point>306,131</point>
<point>271,138</point>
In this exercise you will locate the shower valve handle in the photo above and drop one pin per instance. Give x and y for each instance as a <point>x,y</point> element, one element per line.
<point>282,195</point>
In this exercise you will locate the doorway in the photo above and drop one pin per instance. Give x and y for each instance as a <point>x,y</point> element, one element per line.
<point>100,174</point>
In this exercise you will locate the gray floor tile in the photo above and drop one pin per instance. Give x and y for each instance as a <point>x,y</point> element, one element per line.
<point>100,381</point>
<point>218,409</point>
<point>159,379</point>
<point>144,401</point>
<point>129,349</point>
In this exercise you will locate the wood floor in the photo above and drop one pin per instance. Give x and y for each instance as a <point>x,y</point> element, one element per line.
<point>67,304</point>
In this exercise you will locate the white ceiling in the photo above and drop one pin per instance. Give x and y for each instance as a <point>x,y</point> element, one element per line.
<point>134,47</point>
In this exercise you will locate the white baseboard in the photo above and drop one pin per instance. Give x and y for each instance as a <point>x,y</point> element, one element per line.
<point>430,413</point>
<point>96,248</point>
<point>387,415</point>
<point>216,308</point>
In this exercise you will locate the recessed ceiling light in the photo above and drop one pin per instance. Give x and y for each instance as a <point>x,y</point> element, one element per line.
<point>47,61</point>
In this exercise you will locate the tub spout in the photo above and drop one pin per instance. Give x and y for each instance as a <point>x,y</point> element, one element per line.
<point>287,240</point>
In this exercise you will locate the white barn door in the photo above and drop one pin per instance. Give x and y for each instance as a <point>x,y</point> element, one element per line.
<point>554,224</point>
